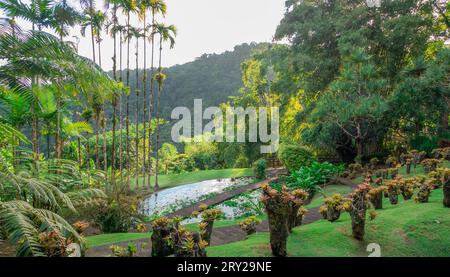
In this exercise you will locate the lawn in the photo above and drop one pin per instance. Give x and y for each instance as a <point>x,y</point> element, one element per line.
<point>172,180</point>
<point>105,239</point>
<point>406,229</point>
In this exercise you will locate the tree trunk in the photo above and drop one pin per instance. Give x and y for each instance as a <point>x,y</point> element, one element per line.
<point>114,103</point>
<point>105,153</point>
<point>150,103</point>
<point>137,116</point>
<point>91,10</point>
<point>157,116</point>
<point>79,150</point>
<point>447,193</point>
<point>377,201</point>
<point>97,126</point>
<point>144,116</point>
<point>127,117</point>
<point>120,115</point>
<point>279,233</point>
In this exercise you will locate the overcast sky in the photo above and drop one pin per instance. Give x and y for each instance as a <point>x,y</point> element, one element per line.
<point>204,26</point>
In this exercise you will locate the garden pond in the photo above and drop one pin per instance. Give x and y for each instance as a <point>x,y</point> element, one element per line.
<point>170,200</point>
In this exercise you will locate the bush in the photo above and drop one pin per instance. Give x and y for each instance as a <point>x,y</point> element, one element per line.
<point>117,218</point>
<point>310,177</point>
<point>241,162</point>
<point>293,156</point>
<point>260,169</point>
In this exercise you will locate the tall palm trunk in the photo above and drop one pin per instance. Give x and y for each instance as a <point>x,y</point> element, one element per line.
<point>157,114</point>
<point>91,11</point>
<point>105,153</point>
<point>137,115</point>
<point>150,102</point>
<point>144,116</point>
<point>97,127</point>
<point>127,118</point>
<point>120,114</point>
<point>114,102</point>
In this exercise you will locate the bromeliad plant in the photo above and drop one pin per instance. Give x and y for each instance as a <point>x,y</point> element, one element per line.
<point>249,224</point>
<point>424,192</point>
<point>208,217</point>
<point>333,206</point>
<point>393,191</point>
<point>376,196</point>
<point>430,165</point>
<point>407,187</point>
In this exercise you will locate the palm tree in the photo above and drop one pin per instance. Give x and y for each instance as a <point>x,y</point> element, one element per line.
<point>166,33</point>
<point>138,34</point>
<point>64,16</point>
<point>95,20</point>
<point>89,10</point>
<point>156,7</point>
<point>128,7</point>
<point>39,13</point>
<point>113,33</point>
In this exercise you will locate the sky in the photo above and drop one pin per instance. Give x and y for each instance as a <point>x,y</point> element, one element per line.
<point>204,26</point>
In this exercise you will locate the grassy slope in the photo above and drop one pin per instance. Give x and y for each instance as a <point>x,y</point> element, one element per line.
<point>172,180</point>
<point>407,229</point>
<point>104,239</point>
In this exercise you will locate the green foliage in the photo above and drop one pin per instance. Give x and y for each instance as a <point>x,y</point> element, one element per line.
<point>260,169</point>
<point>117,217</point>
<point>310,178</point>
<point>293,157</point>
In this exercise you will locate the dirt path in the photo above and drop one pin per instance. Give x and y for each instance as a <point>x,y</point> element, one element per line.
<point>222,235</point>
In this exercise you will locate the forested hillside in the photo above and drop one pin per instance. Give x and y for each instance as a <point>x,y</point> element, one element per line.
<point>211,77</point>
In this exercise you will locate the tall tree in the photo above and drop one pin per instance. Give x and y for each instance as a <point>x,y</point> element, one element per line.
<point>166,34</point>
<point>157,7</point>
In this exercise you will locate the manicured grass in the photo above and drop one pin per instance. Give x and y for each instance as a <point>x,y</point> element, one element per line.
<point>407,229</point>
<point>104,239</point>
<point>172,180</point>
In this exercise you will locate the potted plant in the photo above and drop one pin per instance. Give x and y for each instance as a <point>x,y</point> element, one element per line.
<point>376,196</point>
<point>333,206</point>
<point>392,191</point>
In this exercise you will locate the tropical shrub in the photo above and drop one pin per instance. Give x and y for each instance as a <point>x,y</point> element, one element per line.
<point>120,252</point>
<point>163,228</point>
<point>54,244</point>
<point>249,224</point>
<point>117,216</point>
<point>80,226</point>
<point>169,238</point>
<point>293,157</point>
<point>310,178</point>
<point>260,169</point>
